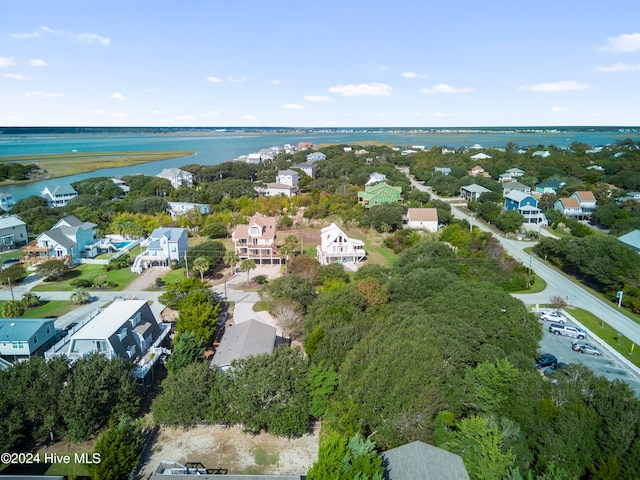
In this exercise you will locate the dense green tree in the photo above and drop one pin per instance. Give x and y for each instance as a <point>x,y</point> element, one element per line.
<point>212,250</point>
<point>184,399</point>
<point>187,349</point>
<point>175,293</point>
<point>305,266</point>
<point>198,316</point>
<point>386,218</point>
<point>343,458</point>
<point>97,389</point>
<point>118,448</point>
<point>322,383</point>
<point>51,270</point>
<point>267,391</point>
<point>12,309</point>
<point>14,274</point>
<point>291,286</point>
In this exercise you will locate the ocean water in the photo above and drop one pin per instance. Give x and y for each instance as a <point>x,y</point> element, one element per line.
<point>217,147</point>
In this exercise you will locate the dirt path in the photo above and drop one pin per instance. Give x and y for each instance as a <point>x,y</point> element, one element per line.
<point>230,448</point>
<point>147,279</point>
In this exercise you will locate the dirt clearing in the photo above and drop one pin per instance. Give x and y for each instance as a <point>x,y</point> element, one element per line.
<point>230,448</point>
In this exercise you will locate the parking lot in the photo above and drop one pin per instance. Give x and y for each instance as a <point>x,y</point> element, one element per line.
<point>603,365</point>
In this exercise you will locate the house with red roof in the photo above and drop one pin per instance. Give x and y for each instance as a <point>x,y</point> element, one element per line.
<point>257,241</point>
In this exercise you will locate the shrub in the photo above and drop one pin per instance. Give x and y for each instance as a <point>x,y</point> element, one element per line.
<point>260,279</point>
<point>81,282</point>
<point>159,282</point>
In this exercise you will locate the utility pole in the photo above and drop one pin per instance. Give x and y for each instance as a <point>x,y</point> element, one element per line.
<point>186,264</point>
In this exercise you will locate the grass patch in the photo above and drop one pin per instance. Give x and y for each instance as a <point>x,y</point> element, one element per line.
<point>51,308</point>
<point>174,275</point>
<point>11,254</point>
<point>64,164</point>
<point>608,334</point>
<point>260,306</point>
<point>537,286</point>
<point>122,278</point>
<point>263,456</point>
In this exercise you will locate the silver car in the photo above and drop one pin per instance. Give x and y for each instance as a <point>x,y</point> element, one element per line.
<point>585,347</point>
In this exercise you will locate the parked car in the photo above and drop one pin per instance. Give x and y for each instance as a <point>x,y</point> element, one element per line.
<point>545,360</point>
<point>553,368</point>
<point>553,317</point>
<point>567,330</point>
<point>585,347</point>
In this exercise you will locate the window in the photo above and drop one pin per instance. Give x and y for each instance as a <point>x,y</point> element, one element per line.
<point>122,333</point>
<point>135,320</point>
<point>35,339</point>
<point>131,351</point>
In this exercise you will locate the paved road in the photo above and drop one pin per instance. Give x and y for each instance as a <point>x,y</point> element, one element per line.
<point>557,284</point>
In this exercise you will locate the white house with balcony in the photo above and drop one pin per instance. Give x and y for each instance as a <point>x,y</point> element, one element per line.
<point>126,329</point>
<point>308,168</point>
<point>58,195</point>
<point>162,247</point>
<point>13,233</point>
<point>177,177</point>
<point>70,239</point>
<point>288,177</point>
<point>336,247</point>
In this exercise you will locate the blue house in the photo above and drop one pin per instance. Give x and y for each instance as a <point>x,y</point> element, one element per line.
<point>444,170</point>
<point>526,205</point>
<point>632,240</point>
<point>21,338</point>
<point>550,186</point>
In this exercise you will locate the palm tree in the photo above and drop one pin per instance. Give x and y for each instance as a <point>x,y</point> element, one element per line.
<point>201,264</point>
<point>12,309</point>
<point>30,300</point>
<point>248,265</point>
<point>79,296</point>
<point>230,258</point>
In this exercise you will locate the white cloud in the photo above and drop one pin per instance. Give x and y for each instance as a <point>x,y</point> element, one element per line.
<point>619,67</point>
<point>559,109</point>
<point>185,118</point>
<point>444,88</point>
<point>89,38</point>
<point>237,80</point>
<point>248,116</point>
<point>119,115</point>
<point>294,106</point>
<point>442,114</point>
<point>40,94</point>
<point>276,82</point>
<point>368,89</point>
<point>552,87</point>
<point>116,96</point>
<point>96,112</point>
<point>17,76</point>
<point>24,35</point>
<point>7,61</point>
<point>36,62</point>
<point>157,112</point>
<point>414,75</point>
<point>214,79</point>
<point>210,114</point>
<point>318,98</point>
<point>628,42</point>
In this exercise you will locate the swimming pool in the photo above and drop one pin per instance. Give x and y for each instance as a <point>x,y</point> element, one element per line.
<point>122,245</point>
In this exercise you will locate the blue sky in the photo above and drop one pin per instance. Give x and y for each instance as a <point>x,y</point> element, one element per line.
<point>319,64</point>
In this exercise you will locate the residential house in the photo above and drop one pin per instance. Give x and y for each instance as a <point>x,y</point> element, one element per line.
<point>242,340</point>
<point>473,192</point>
<point>316,156</point>
<point>123,186</point>
<point>274,189</point>
<point>336,247</point>
<point>587,201</point>
<point>177,177</point>
<point>446,150</point>
<point>257,240</point>
<point>288,177</point>
<point>569,207</point>
<point>481,156</point>
<point>362,151</point>
<point>632,240</point>
<point>253,158</point>
<point>126,329</point>
<point>515,186</point>
<point>421,219</point>
<point>478,171</point>
<point>598,168</point>
<point>541,153</point>
<point>347,149</point>
<point>376,177</point>
<point>21,338</point>
<point>443,170</point>
<point>6,201</point>
<point>379,194</point>
<point>526,205</point>
<point>13,233</point>
<point>69,239</point>
<point>180,208</point>
<point>163,246</point>
<point>550,186</point>
<point>475,146</point>
<point>58,195</point>
<point>421,461</point>
<point>515,172</point>
<point>308,168</point>
<point>305,146</point>
<point>504,177</point>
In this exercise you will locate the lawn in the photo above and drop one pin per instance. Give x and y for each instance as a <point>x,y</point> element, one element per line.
<point>174,275</point>
<point>50,308</point>
<point>122,278</point>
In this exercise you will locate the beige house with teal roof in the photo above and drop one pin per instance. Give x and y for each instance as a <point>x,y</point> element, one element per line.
<point>379,194</point>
